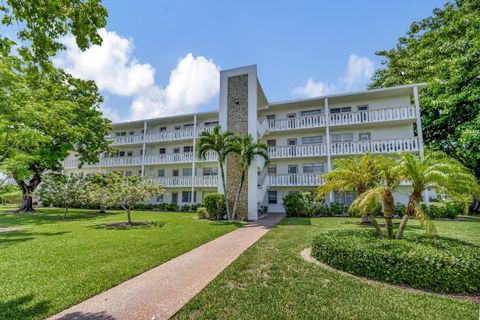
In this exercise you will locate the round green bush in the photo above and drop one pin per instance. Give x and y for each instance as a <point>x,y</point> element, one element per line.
<point>438,264</point>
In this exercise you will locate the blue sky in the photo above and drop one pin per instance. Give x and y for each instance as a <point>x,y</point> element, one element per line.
<point>292,43</point>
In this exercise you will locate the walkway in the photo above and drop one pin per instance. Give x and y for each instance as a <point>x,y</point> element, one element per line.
<point>160,292</point>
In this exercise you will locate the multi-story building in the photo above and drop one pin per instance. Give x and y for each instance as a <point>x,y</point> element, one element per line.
<point>304,138</point>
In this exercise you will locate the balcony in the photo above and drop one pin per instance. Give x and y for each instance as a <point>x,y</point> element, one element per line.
<point>295,180</point>
<point>198,181</point>
<point>374,146</point>
<point>307,150</point>
<point>346,118</point>
<point>137,161</point>
<point>172,135</point>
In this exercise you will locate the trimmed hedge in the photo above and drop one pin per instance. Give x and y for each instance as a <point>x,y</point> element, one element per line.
<point>215,205</point>
<point>305,205</point>
<point>445,210</point>
<point>438,264</point>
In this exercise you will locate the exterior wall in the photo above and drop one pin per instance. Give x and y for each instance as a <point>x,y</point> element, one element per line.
<point>390,122</point>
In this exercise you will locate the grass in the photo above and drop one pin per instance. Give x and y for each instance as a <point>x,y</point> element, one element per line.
<point>51,264</point>
<point>271,281</point>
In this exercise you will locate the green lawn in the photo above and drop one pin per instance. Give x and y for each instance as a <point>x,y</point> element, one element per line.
<point>271,281</point>
<point>51,264</point>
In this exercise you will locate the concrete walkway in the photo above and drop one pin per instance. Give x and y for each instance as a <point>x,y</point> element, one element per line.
<point>160,292</point>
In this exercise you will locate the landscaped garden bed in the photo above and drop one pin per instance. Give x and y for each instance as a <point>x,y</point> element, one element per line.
<point>438,264</point>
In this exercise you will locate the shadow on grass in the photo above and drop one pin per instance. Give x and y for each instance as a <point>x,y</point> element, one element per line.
<point>296,222</point>
<point>18,236</point>
<point>87,316</point>
<point>220,223</point>
<point>23,308</point>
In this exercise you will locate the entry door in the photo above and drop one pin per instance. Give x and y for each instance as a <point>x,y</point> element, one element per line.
<point>293,169</point>
<point>175,197</point>
<point>292,149</point>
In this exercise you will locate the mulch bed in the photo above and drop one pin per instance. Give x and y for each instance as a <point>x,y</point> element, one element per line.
<point>133,225</point>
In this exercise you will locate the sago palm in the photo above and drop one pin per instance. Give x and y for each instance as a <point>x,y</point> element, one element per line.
<point>352,174</point>
<point>390,175</point>
<point>247,150</point>
<point>221,142</point>
<point>434,171</point>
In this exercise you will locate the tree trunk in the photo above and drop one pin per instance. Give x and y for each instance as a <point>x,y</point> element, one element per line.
<point>237,196</point>
<point>413,200</point>
<point>375,224</point>
<point>65,213</point>
<point>475,206</point>
<point>388,205</point>
<point>129,217</point>
<point>27,192</point>
<point>222,173</point>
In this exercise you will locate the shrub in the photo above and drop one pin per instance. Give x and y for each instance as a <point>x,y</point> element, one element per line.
<point>399,209</point>
<point>439,264</point>
<point>215,205</point>
<point>262,210</point>
<point>337,209</point>
<point>448,209</point>
<point>304,205</point>
<point>293,204</point>
<point>202,212</point>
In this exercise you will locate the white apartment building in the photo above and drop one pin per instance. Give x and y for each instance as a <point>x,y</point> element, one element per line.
<point>304,137</point>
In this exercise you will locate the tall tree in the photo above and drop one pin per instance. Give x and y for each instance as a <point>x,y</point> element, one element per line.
<point>357,174</point>
<point>247,150</point>
<point>221,142</point>
<point>442,50</point>
<point>44,112</point>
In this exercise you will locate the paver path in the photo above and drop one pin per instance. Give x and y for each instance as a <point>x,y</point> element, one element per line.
<point>160,292</point>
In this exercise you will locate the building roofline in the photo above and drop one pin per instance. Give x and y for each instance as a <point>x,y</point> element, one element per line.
<point>346,94</point>
<point>211,112</point>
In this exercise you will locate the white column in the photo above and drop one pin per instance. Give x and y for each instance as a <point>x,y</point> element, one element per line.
<point>329,160</point>
<point>144,146</point>
<point>420,136</point>
<point>194,156</point>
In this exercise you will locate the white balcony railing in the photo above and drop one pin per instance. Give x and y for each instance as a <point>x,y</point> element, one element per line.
<point>374,146</point>
<point>198,181</point>
<point>344,118</point>
<point>134,139</point>
<point>137,161</point>
<point>295,180</point>
<point>307,150</point>
<point>171,135</point>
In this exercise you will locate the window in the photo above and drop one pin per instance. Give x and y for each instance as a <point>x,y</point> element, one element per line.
<point>364,136</point>
<point>128,173</point>
<point>344,197</point>
<point>162,129</point>
<point>178,127</point>
<point>312,140</point>
<point>210,124</point>
<point>272,197</point>
<point>187,196</point>
<point>141,152</point>
<point>131,133</point>
<point>140,172</point>
<point>291,115</point>
<point>291,142</point>
<point>272,169</point>
<point>314,112</point>
<point>188,126</point>
<point>210,171</point>
<point>160,198</point>
<point>175,172</point>
<point>188,149</point>
<point>313,168</point>
<point>341,137</point>
<point>121,154</point>
<point>129,153</point>
<point>272,142</point>
<point>270,117</point>
<point>187,172</point>
<point>175,197</point>
<point>339,110</point>
<point>293,169</point>
<point>161,172</point>
<point>176,150</point>
<point>162,151</point>
<point>120,134</point>
<point>363,107</point>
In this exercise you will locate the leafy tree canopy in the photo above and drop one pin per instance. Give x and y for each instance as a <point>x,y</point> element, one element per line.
<point>443,50</point>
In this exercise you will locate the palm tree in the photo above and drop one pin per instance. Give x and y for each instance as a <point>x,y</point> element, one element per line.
<point>247,150</point>
<point>390,174</point>
<point>222,143</point>
<point>434,171</point>
<point>353,174</point>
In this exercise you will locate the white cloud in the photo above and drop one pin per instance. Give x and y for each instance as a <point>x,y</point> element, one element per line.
<point>110,113</point>
<point>193,82</point>
<point>359,71</point>
<point>110,65</point>
<point>314,89</point>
